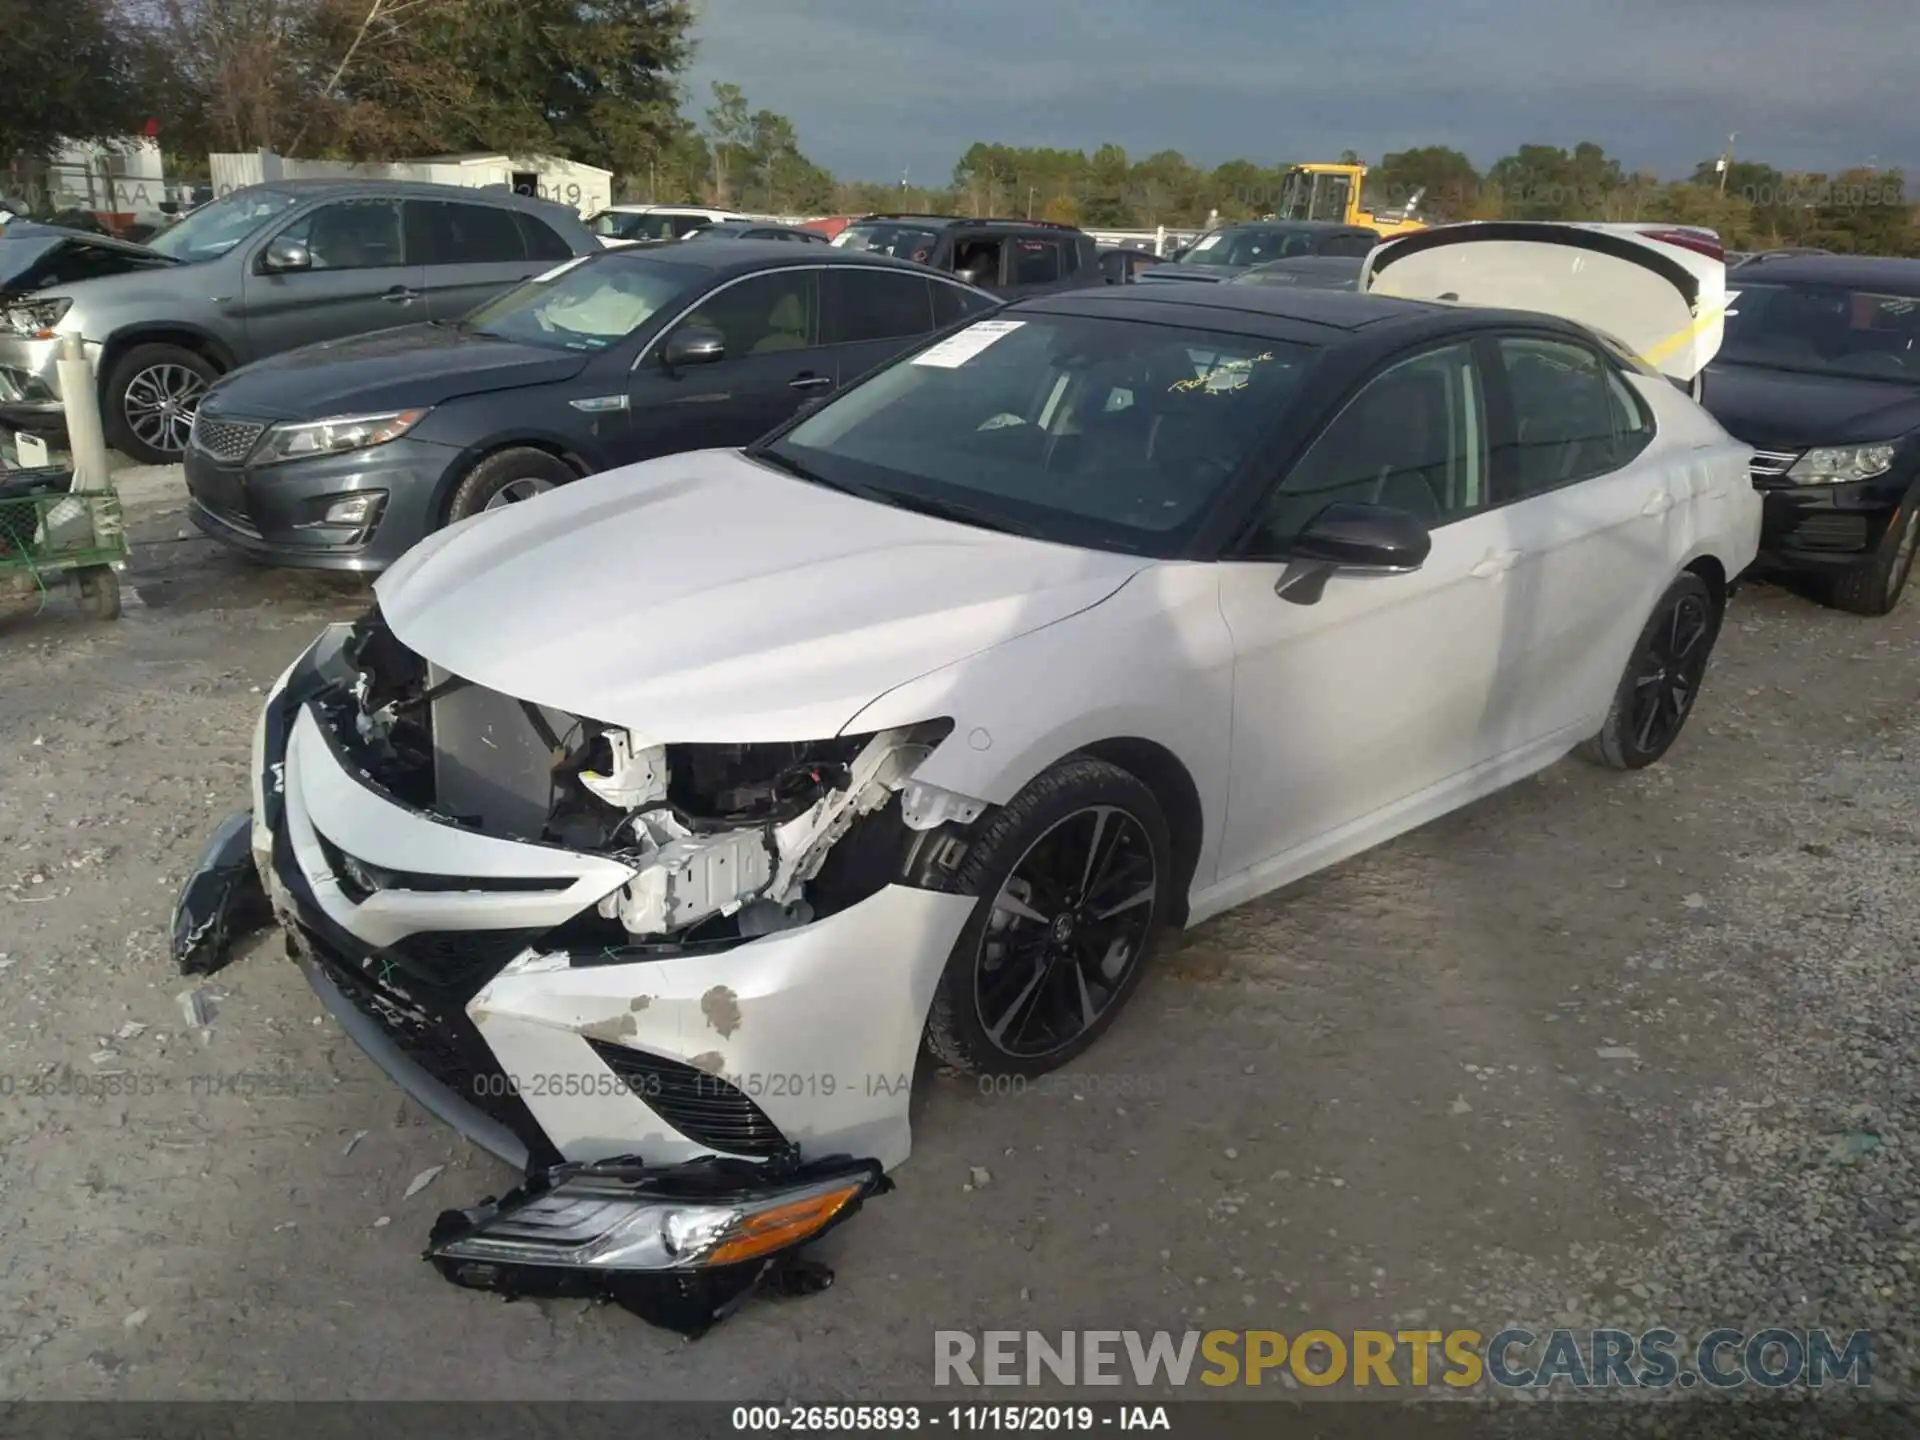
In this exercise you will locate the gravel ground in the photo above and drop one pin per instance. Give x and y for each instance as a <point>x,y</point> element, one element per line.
<point>1601,1049</point>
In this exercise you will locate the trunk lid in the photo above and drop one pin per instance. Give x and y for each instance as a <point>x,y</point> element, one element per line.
<point>1660,291</point>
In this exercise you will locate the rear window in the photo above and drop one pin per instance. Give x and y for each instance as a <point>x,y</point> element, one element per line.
<point>906,242</point>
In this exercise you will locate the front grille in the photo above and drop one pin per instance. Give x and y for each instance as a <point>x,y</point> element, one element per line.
<point>1835,531</point>
<point>227,441</point>
<point>232,518</point>
<point>702,1107</point>
<point>429,1022</point>
<point>1771,464</point>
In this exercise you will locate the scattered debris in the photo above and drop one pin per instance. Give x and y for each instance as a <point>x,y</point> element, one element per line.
<point>422,1180</point>
<point>1695,901</point>
<point>978,1177</point>
<point>358,1136</point>
<point>383,1222</point>
<point>1617,1052</point>
<point>132,1030</point>
<point>1460,1106</point>
<point>197,1006</point>
<point>139,1317</point>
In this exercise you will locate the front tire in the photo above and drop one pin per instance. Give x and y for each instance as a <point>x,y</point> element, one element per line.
<point>1875,588</point>
<point>1074,877</point>
<point>149,400</point>
<point>507,478</point>
<point>1662,679</point>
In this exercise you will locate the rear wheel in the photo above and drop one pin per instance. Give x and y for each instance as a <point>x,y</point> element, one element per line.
<point>1875,588</point>
<point>1662,679</point>
<point>1073,876</point>
<point>99,589</point>
<point>507,478</point>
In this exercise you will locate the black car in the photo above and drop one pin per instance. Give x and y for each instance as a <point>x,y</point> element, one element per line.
<point>1120,263</point>
<point>1309,272</point>
<point>1820,372</point>
<point>1012,258</point>
<point>754,230</point>
<point>340,456</point>
<point>1231,250</point>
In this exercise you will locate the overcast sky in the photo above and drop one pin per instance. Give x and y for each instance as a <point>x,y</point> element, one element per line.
<point>878,86</point>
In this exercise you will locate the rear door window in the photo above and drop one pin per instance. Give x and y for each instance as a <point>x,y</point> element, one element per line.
<point>1568,417</point>
<point>955,302</point>
<point>1036,261</point>
<point>543,242</point>
<point>876,305</point>
<point>446,233</point>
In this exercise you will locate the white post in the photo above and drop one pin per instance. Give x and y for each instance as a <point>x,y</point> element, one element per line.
<point>80,398</point>
<point>1160,240</point>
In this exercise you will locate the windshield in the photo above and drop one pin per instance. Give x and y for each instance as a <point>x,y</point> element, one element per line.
<point>620,225</point>
<point>904,242</point>
<point>216,228</point>
<point>1825,330</point>
<point>582,305</point>
<point>1296,195</point>
<point>1304,275</point>
<point>1099,432</point>
<point>1248,245</point>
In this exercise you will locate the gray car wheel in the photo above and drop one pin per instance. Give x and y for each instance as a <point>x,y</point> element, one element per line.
<point>150,398</point>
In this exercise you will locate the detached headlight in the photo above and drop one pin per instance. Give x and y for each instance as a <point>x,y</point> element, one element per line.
<point>34,319</point>
<point>680,1246</point>
<point>334,435</point>
<point>1838,464</point>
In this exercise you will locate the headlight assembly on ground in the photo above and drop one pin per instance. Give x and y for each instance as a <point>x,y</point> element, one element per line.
<point>680,1246</point>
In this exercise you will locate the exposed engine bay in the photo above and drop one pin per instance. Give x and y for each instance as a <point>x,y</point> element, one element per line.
<point>729,841</point>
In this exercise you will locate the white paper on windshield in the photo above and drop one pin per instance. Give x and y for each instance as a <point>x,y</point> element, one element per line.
<point>954,351</point>
<point>1208,242</point>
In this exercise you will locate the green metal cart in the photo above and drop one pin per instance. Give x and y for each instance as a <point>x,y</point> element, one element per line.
<point>50,534</point>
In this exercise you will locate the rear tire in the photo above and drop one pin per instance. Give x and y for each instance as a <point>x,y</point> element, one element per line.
<point>507,478</point>
<point>1662,679</point>
<point>99,589</point>
<point>1875,588</point>
<point>1023,993</point>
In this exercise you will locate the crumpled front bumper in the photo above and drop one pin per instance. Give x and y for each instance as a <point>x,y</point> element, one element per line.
<point>803,1041</point>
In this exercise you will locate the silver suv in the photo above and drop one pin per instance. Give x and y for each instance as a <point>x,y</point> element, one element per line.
<point>265,269</point>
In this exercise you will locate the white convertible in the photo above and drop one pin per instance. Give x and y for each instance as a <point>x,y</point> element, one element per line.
<point>670,815</point>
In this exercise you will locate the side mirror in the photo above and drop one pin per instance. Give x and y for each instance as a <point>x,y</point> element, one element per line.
<point>1355,539</point>
<point>811,403</point>
<point>285,253</point>
<point>693,345</point>
<point>1173,257</point>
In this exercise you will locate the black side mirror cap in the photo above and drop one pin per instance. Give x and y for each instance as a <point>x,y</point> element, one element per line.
<point>1356,539</point>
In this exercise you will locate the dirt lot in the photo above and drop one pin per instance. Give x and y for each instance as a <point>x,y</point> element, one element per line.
<point>1636,1049</point>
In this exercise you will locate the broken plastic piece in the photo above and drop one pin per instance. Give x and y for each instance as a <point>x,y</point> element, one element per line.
<point>928,807</point>
<point>222,902</point>
<point>635,778</point>
<point>680,1246</point>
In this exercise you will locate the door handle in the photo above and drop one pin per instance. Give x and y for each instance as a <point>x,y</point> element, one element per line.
<point>1496,564</point>
<point>811,382</point>
<point>400,295</point>
<point>1658,503</point>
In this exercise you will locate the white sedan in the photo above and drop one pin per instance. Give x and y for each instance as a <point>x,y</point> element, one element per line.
<point>671,814</point>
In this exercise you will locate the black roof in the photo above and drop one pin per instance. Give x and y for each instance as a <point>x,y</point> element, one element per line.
<point>941,222</point>
<point>736,228</point>
<point>725,257</point>
<point>1857,272</point>
<point>1305,316</point>
<point>1343,264</point>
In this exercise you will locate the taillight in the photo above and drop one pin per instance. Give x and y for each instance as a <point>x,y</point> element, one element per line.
<point>1708,245</point>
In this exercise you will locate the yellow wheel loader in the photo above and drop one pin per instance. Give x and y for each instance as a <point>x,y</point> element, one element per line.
<point>1341,193</point>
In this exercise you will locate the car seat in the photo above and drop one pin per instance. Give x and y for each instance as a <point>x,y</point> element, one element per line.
<point>786,327</point>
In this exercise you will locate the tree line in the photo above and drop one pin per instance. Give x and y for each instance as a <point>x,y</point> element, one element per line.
<point>598,81</point>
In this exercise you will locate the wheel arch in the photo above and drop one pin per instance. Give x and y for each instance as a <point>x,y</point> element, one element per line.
<point>457,472</point>
<point>1710,569</point>
<point>187,337</point>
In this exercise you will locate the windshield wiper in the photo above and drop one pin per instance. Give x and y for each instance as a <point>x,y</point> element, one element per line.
<point>918,504</point>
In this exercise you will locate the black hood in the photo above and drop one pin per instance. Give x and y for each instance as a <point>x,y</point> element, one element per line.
<point>405,369</point>
<point>38,257</point>
<point>1793,410</point>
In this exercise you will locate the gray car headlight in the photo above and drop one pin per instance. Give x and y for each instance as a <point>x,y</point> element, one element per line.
<point>34,318</point>
<point>332,436</point>
<point>1839,464</point>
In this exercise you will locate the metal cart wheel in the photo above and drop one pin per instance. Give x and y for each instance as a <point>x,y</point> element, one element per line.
<point>99,591</point>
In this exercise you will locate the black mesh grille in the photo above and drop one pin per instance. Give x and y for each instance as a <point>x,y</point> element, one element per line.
<point>428,1021</point>
<point>1837,531</point>
<point>702,1107</point>
<point>227,441</point>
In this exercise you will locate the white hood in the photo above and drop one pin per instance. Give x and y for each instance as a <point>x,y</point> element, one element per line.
<point>1665,301</point>
<point>705,598</point>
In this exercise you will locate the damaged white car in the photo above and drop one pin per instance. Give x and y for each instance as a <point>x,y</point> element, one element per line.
<point>648,830</point>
